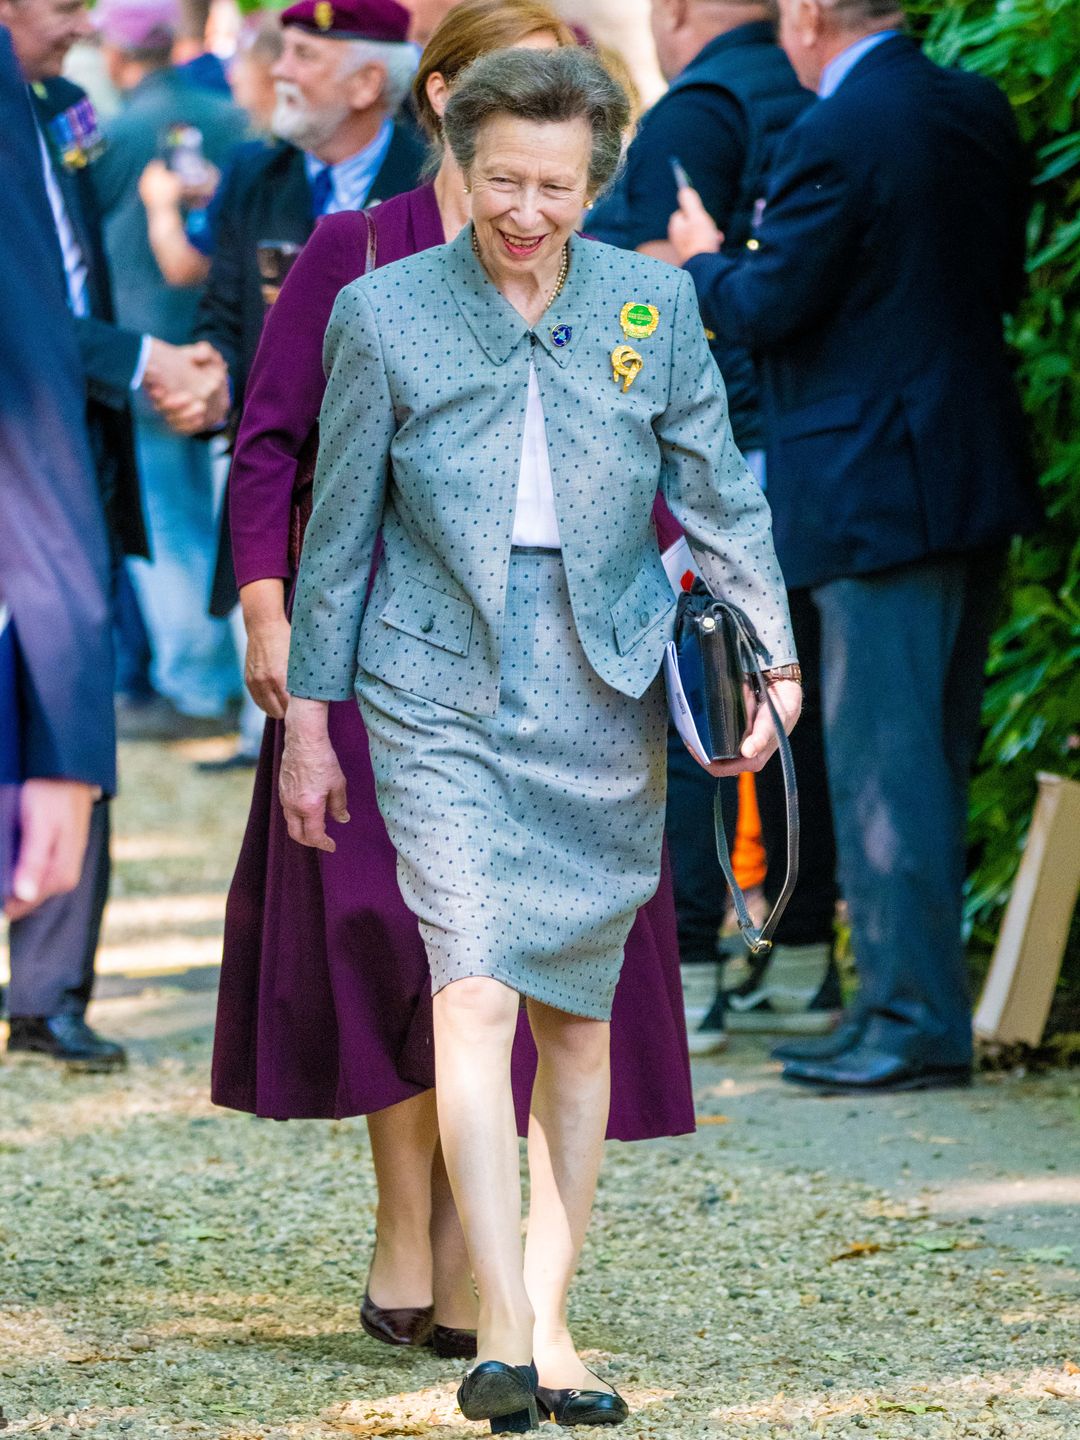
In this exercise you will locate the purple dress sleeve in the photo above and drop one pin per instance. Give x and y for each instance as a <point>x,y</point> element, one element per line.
<point>284,394</point>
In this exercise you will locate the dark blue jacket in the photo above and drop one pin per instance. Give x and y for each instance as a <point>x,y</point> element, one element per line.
<point>54,557</point>
<point>109,353</point>
<point>891,245</point>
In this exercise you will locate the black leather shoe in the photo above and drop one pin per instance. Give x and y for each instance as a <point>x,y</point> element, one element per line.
<point>823,1047</point>
<point>66,1038</point>
<point>503,1394</point>
<point>409,1325</point>
<point>451,1344</point>
<point>864,1069</point>
<point>582,1407</point>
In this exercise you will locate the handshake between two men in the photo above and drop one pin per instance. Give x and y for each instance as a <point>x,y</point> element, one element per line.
<point>188,385</point>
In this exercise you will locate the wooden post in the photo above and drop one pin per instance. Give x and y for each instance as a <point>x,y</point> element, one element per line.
<point>1019,987</point>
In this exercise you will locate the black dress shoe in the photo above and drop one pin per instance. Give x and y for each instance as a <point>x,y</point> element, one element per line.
<point>503,1394</point>
<point>409,1325</point>
<point>451,1344</point>
<point>867,1070</point>
<point>66,1038</point>
<point>824,1047</point>
<point>582,1407</point>
<point>238,760</point>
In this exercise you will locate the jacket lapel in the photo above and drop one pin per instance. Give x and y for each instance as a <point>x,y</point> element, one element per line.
<point>495,323</point>
<point>400,168</point>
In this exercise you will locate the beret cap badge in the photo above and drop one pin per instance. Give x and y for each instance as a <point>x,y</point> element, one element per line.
<point>324,15</point>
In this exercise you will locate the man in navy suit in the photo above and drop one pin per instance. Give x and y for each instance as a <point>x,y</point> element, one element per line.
<point>53,950</point>
<point>891,245</point>
<point>56,713</point>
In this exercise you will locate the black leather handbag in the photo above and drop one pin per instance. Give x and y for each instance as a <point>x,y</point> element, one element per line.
<point>711,663</point>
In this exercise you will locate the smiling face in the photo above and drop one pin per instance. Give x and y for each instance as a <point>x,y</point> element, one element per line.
<point>529,185</point>
<point>43,31</point>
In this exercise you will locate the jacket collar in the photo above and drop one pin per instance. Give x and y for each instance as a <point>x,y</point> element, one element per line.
<point>497,326</point>
<point>754,32</point>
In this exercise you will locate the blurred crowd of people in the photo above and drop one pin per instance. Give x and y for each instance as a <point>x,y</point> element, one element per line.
<point>853,219</point>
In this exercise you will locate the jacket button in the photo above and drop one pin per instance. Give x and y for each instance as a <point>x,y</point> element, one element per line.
<point>428,625</point>
<point>644,618</point>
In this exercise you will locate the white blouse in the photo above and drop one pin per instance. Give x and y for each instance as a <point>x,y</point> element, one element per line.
<point>534,519</point>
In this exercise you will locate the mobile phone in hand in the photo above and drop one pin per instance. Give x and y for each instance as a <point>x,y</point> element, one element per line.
<point>681,177</point>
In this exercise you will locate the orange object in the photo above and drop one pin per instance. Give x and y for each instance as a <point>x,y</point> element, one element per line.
<point>748,856</point>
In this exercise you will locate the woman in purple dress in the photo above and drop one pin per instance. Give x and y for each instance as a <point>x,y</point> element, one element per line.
<point>325,1000</point>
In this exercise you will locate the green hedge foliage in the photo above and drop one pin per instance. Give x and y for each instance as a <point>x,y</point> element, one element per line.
<point>1031,48</point>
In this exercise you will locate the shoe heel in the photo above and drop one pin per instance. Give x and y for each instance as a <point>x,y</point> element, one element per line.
<point>519,1423</point>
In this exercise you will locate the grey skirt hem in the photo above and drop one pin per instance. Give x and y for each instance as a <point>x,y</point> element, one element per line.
<point>527,840</point>
<point>513,982</point>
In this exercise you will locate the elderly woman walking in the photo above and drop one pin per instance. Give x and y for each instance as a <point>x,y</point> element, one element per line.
<point>504,409</point>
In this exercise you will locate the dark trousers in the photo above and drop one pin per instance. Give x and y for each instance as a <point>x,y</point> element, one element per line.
<point>903,655</point>
<point>699,884</point>
<point>52,950</point>
<point>811,912</point>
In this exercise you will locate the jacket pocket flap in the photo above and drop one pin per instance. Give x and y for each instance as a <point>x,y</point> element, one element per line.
<point>430,615</point>
<point>643,604</point>
<point>839,412</point>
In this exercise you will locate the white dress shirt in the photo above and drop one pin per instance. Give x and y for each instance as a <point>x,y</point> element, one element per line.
<point>840,66</point>
<point>76,270</point>
<point>75,267</point>
<point>535,523</point>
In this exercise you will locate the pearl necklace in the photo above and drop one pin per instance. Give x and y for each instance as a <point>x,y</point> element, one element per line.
<point>564,270</point>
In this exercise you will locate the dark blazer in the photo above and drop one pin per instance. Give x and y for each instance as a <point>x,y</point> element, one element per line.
<point>110,354</point>
<point>266,196</point>
<point>54,556</point>
<point>891,245</point>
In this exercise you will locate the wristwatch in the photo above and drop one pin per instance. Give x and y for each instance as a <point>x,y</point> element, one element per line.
<point>783,672</point>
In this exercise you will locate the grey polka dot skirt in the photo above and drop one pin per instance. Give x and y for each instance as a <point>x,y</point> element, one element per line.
<point>526,841</point>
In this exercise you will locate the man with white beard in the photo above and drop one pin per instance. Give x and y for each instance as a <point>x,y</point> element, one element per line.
<point>344,71</point>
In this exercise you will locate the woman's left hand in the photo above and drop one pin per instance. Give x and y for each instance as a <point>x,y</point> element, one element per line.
<point>761,741</point>
<point>311,781</point>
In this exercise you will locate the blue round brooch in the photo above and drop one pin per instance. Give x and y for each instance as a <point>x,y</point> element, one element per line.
<point>561,335</point>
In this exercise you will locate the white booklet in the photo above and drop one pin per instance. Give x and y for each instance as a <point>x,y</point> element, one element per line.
<point>681,570</point>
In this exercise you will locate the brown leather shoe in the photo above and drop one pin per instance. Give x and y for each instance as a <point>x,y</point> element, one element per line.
<point>451,1344</point>
<point>411,1326</point>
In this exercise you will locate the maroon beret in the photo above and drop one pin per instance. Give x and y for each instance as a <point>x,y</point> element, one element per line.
<point>350,19</point>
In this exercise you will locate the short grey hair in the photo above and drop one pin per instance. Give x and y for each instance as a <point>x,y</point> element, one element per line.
<point>398,59</point>
<point>864,12</point>
<point>546,87</point>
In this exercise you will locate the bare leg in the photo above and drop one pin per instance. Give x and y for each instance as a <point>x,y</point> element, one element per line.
<point>403,1140</point>
<point>475,1020</point>
<point>567,1122</point>
<point>455,1298</point>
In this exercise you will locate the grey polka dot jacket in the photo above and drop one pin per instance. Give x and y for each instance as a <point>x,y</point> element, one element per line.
<point>421,434</point>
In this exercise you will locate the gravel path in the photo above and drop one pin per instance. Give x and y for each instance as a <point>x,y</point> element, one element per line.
<point>904,1267</point>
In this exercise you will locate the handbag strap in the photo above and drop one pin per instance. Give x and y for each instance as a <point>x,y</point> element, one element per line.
<point>371,256</point>
<point>759,939</point>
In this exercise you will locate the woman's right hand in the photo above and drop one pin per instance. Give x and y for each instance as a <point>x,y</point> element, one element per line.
<point>267,664</point>
<point>312,782</point>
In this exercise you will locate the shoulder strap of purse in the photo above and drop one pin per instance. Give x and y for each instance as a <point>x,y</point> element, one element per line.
<point>371,257</point>
<point>760,939</point>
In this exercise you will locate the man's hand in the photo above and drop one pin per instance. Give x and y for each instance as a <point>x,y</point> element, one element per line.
<point>55,820</point>
<point>160,188</point>
<point>188,384</point>
<point>762,741</point>
<point>691,229</point>
<point>311,781</point>
<point>163,189</point>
